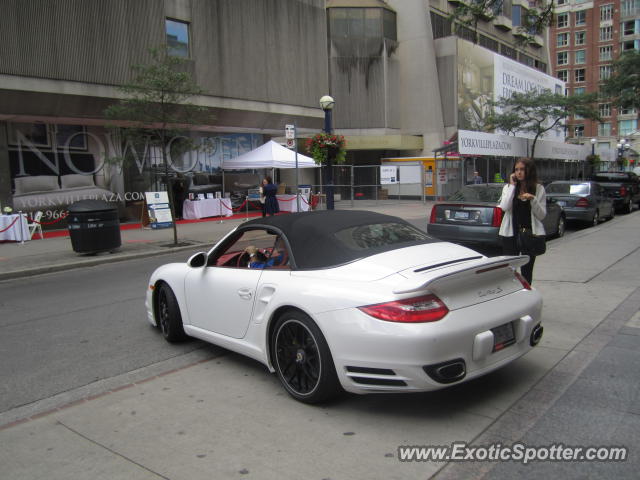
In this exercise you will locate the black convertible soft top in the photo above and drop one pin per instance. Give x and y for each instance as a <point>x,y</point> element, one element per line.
<point>327,238</point>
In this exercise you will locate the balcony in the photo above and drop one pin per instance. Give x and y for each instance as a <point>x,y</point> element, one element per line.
<point>503,23</point>
<point>536,41</point>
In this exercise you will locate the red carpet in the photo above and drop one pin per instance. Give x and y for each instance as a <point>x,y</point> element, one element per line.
<point>131,226</point>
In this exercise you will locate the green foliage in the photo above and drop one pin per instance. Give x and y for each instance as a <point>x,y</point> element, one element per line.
<point>156,105</point>
<point>537,113</point>
<point>540,15</point>
<point>156,109</point>
<point>623,87</point>
<point>321,144</point>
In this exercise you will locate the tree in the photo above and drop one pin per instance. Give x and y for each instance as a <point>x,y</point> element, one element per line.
<point>538,16</point>
<point>623,86</point>
<point>538,113</point>
<point>156,109</point>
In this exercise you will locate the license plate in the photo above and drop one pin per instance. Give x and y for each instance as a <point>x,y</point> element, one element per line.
<point>503,336</point>
<point>461,215</point>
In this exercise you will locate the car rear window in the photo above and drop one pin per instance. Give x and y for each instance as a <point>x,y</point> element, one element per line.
<point>571,189</point>
<point>610,176</point>
<point>370,236</point>
<point>480,193</point>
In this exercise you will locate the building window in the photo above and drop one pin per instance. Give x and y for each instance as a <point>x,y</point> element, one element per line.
<point>441,26</point>
<point>563,58</point>
<point>604,129</point>
<point>581,38</point>
<point>508,51</point>
<point>605,72</point>
<point>627,127</point>
<point>578,131</point>
<point>606,12</point>
<point>526,59</point>
<point>580,56</point>
<point>606,34</point>
<point>177,36</point>
<point>581,17</point>
<point>630,7</point>
<point>563,75</point>
<point>579,91</point>
<point>516,15</point>
<point>604,109</point>
<point>562,40</point>
<point>629,28</point>
<point>579,75</point>
<point>627,111</point>
<point>631,45</point>
<point>562,20</point>
<point>606,53</point>
<point>489,43</point>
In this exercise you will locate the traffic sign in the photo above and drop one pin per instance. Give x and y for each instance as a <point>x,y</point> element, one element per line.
<point>290,132</point>
<point>291,143</point>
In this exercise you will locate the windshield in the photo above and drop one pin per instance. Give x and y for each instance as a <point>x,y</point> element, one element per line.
<point>479,193</point>
<point>569,188</point>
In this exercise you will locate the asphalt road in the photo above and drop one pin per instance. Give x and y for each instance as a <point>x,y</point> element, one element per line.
<point>66,330</point>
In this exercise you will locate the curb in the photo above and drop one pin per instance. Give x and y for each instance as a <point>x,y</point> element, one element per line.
<point>26,272</point>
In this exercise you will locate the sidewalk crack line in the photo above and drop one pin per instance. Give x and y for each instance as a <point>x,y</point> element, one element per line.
<point>112,451</point>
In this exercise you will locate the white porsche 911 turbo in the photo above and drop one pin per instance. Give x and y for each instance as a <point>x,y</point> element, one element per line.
<point>352,300</point>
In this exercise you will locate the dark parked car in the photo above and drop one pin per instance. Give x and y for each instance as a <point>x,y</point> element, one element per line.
<point>472,216</point>
<point>623,187</point>
<point>583,201</point>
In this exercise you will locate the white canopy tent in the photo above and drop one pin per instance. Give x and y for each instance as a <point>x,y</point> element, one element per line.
<point>269,155</point>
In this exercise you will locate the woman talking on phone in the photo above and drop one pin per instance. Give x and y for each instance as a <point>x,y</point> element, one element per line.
<point>524,203</point>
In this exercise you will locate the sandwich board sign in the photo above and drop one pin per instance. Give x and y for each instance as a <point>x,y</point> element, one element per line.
<point>159,210</point>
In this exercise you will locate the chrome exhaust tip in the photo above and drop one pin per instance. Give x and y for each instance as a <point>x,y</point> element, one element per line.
<point>536,335</point>
<point>447,372</point>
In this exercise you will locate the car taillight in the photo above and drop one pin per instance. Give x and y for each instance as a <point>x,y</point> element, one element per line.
<point>497,217</point>
<point>523,281</point>
<point>427,308</point>
<point>623,192</point>
<point>432,218</point>
<point>582,202</point>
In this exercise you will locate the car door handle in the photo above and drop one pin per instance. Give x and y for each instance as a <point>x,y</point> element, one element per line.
<point>245,293</point>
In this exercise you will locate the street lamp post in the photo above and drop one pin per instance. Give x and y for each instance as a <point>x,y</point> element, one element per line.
<point>622,146</point>
<point>327,103</point>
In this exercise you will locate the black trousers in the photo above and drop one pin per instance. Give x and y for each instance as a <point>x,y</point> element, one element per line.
<point>510,247</point>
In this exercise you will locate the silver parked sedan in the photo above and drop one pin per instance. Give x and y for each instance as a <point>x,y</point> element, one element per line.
<point>472,216</point>
<point>583,201</point>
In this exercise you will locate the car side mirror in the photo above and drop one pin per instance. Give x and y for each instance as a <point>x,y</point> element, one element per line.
<point>197,260</point>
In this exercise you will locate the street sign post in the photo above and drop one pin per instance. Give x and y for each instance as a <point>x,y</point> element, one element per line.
<point>290,135</point>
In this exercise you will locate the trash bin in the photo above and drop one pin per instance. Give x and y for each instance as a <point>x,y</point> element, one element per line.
<point>93,226</point>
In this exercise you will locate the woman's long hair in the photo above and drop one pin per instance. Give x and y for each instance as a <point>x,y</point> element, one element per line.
<point>530,173</point>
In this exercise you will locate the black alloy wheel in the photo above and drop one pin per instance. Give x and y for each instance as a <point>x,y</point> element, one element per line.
<point>628,207</point>
<point>168,315</point>
<point>596,219</point>
<point>302,359</point>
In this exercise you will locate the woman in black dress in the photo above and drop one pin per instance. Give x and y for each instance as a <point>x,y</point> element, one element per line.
<point>270,201</point>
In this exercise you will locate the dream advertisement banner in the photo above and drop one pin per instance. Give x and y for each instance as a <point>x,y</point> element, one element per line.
<point>484,76</point>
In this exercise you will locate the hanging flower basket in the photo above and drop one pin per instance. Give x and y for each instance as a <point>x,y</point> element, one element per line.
<point>323,144</point>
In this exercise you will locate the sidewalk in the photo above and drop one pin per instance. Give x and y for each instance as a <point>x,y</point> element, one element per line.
<point>219,415</point>
<point>54,254</point>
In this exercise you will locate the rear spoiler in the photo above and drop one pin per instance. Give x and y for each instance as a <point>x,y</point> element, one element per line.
<point>452,272</point>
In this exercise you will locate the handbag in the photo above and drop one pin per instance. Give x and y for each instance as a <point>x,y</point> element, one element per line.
<point>531,244</point>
